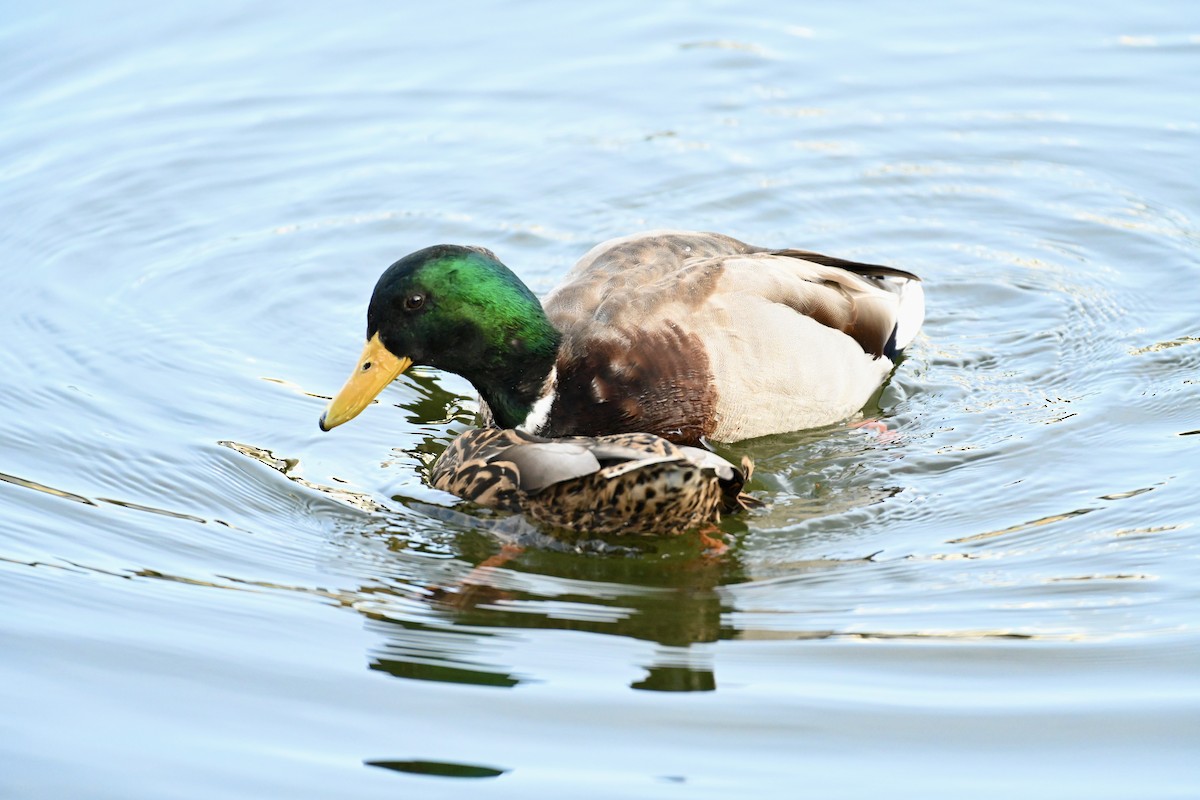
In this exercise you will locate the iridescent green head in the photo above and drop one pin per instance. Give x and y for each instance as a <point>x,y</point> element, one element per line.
<point>458,309</point>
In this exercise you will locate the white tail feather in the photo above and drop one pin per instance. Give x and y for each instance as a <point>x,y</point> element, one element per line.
<point>910,314</point>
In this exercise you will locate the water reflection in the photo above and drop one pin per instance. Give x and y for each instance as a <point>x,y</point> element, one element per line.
<point>41,487</point>
<point>458,634</point>
<point>418,651</point>
<point>442,769</point>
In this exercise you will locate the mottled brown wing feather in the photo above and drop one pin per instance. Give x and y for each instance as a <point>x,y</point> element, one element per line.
<point>644,485</point>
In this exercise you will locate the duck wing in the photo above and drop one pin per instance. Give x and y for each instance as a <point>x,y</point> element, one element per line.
<point>622,481</point>
<point>698,335</point>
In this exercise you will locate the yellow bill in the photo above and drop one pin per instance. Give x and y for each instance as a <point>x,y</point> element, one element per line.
<point>376,369</point>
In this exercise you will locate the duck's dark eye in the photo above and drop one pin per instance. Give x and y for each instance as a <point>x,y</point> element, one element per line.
<point>414,301</point>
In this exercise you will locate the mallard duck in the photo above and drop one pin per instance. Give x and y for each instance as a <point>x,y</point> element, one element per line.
<point>688,336</point>
<point>617,484</point>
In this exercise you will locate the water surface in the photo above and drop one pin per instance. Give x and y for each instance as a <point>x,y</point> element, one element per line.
<point>206,596</point>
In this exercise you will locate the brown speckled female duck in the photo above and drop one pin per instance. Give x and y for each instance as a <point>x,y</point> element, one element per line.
<point>626,483</point>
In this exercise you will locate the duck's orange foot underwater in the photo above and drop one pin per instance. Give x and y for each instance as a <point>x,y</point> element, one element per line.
<point>879,428</point>
<point>712,539</point>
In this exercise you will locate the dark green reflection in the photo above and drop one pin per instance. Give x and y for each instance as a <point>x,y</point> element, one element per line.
<point>677,679</point>
<point>443,769</point>
<point>461,626</point>
<point>415,670</point>
<point>434,405</point>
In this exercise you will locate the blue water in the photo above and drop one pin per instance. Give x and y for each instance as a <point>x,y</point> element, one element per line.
<point>204,596</point>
